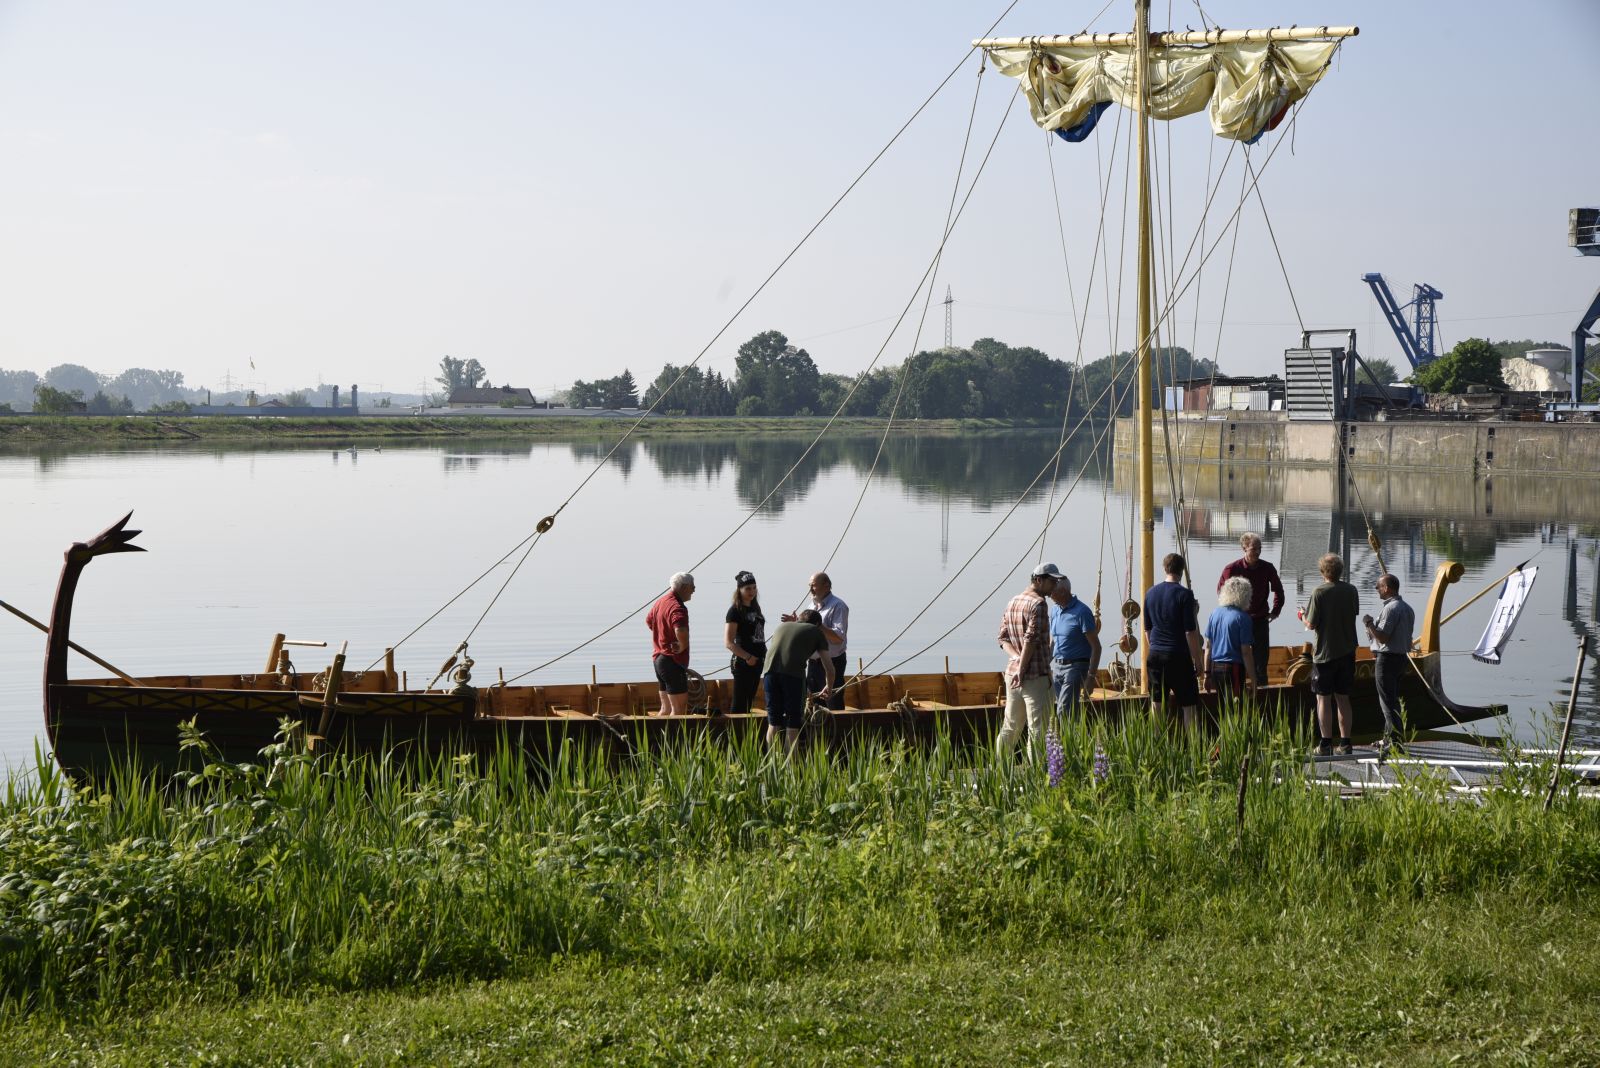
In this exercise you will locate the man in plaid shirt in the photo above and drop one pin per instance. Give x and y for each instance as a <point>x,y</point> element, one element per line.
<point>1025,636</point>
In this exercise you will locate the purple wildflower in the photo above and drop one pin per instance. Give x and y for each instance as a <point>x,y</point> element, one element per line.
<point>1102,766</point>
<point>1055,758</point>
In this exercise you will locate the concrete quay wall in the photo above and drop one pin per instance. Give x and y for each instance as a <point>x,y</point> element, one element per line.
<point>1560,449</point>
<point>1509,497</point>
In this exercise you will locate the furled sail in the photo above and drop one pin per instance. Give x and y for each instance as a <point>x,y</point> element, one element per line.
<point>1247,87</point>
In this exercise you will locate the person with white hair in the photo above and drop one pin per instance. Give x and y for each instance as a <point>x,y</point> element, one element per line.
<point>1230,664</point>
<point>668,620</point>
<point>1263,580</point>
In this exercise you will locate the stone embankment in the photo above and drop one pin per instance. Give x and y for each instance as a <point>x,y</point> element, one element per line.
<point>1478,447</point>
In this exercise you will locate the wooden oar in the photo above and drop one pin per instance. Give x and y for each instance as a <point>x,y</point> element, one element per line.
<point>26,618</point>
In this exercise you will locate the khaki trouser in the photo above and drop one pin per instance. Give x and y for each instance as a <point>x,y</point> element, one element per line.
<point>1031,700</point>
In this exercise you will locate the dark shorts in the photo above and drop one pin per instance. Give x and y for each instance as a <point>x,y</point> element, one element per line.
<point>1172,675</point>
<point>786,700</point>
<point>672,676</point>
<point>1334,677</point>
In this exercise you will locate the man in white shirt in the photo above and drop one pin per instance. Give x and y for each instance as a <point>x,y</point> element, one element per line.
<point>836,624</point>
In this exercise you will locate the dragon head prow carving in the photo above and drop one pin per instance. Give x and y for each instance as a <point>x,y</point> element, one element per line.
<point>114,539</point>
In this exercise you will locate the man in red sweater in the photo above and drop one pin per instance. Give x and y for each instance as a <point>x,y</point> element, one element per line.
<point>1263,578</point>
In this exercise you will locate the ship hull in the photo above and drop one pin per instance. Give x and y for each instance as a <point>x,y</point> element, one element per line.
<point>94,727</point>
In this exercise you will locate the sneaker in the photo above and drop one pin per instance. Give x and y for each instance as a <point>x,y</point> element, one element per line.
<point>1344,748</point>
<point>1324,748</point>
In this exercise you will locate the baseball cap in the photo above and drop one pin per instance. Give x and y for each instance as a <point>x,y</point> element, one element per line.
<point>1048,571</point>
<point>744,578</point>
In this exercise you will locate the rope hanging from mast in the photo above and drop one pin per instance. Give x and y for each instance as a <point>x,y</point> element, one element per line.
<point>925,280</point>
<point>548,521</point>
<point>905,367</point>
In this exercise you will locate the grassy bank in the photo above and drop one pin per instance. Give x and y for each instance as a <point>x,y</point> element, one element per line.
<point>148,430</point>
<point>855,906</point>
<point>1492,983</point>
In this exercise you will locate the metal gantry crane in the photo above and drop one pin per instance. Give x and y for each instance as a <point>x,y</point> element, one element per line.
<point>1583,234</point>
<point>1417,337</point>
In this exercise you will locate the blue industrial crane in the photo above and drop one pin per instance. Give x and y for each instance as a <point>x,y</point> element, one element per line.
<point>1416,338</point>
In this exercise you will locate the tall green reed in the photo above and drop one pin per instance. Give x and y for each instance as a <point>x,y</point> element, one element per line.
<point>710,856</point>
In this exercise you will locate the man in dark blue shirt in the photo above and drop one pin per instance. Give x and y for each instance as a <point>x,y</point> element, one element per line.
<point>1172,623</point>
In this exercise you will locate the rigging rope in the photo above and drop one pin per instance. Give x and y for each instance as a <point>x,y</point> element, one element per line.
<point>927,301</point>
<point>1173,298</point>
<point>1113,335</point>
<point>1165,225</point>
<point>1021,498</point>
<point>1080,324</point>
<point>856,385</point>
<point>1010,573</point>
<point>1343,467</point>
<point>548,521</point>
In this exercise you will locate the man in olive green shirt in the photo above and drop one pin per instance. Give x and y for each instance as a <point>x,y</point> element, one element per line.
<point>1332,615</point>
<point>784,675</point>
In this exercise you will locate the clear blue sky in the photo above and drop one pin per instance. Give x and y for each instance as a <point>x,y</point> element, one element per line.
<point>348,191</point>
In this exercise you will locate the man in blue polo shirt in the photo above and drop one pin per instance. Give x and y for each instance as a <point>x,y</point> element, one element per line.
<point>1074,646</point>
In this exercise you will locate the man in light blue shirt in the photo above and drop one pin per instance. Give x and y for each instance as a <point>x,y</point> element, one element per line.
<point>1074,646</point>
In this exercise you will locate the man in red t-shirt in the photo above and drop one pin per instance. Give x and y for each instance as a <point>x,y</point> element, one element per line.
<point>1263,578</point>
<point>668,621</point>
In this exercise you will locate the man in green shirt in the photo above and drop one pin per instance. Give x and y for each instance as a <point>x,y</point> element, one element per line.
<point>1332,615</point>
<point>792,645</point>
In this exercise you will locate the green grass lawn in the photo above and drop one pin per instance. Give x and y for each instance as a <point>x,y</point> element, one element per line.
<point>1487,982</point>
<point>883,904</point>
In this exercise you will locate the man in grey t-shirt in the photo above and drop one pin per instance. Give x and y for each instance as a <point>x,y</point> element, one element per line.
<point>1390,638</point>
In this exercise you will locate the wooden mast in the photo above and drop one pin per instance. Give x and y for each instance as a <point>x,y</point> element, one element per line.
<point>1141,41</point>
<point>1147,481</point>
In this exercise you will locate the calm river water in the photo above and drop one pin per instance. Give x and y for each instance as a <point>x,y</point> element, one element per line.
<point>363,545</point>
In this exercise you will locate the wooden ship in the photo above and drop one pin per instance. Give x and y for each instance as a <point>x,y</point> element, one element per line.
<point>95,725</point>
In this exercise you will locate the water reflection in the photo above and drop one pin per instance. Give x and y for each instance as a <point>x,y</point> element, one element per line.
<point>595,451</point>
<point>478,456</point>
<point>984,469</point>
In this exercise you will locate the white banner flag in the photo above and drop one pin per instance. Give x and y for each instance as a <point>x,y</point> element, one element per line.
<point>1513,595</point>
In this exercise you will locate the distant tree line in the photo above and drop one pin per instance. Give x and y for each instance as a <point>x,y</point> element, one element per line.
<point>65,385</point>
<point>618,392</point>
<point>71,387</point>
<point>988,380</point>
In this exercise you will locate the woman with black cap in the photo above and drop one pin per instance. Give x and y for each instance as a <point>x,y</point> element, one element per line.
<point>746,640</point>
